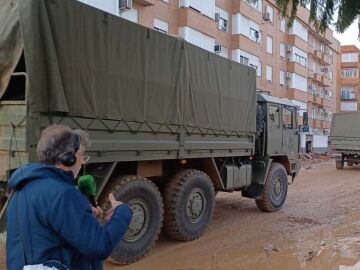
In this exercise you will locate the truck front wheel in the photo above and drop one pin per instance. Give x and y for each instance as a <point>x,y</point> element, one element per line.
<point>145,200</point>
<point>339,164</point>
<point>189,200</point>
<point>275,189</point>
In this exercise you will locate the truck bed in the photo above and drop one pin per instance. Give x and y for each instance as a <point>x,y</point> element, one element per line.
<point>345,131</point>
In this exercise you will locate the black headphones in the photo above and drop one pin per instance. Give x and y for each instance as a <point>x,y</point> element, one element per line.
<point>68,159</point>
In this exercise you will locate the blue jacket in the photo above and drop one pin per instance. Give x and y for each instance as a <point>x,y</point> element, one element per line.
<point>49,219</point>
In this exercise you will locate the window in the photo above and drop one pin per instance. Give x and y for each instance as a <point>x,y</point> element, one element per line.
<point>347,93</point>
<point>244,60</point>
<point>288,118</point>
<point>223,24</point>
<point>300,59</point>
<point>349,57</point>
<point>314,113</point>
<point>348,106</point>
<point>269,42</point>
<point>254,3</point>
<point>254,34</point>
<point>282,50</point>
<point>274,116</point>
<point>269,13</point>
<point>282,25</point>
<point>254,66</point>
<point>161,26</point>
<point>268,73</point>
<point>282,78</point>
<point>322,47</point>
<point>349,73</point>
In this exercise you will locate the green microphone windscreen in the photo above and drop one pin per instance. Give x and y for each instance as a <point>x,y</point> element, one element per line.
<point>87,185</point>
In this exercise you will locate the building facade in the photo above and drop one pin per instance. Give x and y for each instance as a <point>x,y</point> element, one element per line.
<point>348,79</point>
<point>297,63</point>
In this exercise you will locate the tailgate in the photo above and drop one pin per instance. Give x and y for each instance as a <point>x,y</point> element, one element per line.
<point>12,136</point>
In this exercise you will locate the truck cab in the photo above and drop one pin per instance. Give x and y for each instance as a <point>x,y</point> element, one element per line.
<point>279,139</point>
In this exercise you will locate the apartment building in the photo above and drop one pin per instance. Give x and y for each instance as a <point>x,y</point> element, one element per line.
<point>348,99</point>
<point>297,63</point>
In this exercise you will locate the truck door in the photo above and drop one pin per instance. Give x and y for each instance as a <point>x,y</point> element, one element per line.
<point>274,142</point>
<point>290,139</point>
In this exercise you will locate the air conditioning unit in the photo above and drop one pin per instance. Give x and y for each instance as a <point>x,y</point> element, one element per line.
<point>266,16</point>
<point>288,75</point>
<point>217,16</point>
<point>125,5</point>
<point>217,48</point>
<point>288,48</point>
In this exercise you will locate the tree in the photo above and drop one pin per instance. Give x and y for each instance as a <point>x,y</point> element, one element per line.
<point>322,12</point>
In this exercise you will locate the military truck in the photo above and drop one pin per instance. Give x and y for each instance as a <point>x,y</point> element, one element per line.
<point>345,138</point>
<point>171,124</point>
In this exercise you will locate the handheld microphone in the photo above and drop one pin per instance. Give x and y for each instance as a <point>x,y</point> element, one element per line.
<point>87,186</point>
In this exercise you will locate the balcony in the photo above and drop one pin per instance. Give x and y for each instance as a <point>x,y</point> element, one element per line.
<point>326,102</point>
<point>318,54</point>
<point>295,67</point>
<point>297,95</point>
<point>326,124</point>
<point>310,74</point>
<point>326,59</point>
<point>311,49</point>
<point>317,77</point>
<point>310,96</point>
<point>145,2</point>
<point>252,11</point>
<point>197,21</point>
<point>325,80</point>
<point>294,40</point>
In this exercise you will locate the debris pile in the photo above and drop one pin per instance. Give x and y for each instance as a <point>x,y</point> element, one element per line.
<point>309,159</point>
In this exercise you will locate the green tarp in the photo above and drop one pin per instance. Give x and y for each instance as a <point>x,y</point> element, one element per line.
<point>84,62</point>
<point>346,125</point>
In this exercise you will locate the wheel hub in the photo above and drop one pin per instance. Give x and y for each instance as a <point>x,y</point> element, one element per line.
<point>277,188</point>
<point>140,220</point>
<point>195,205</point>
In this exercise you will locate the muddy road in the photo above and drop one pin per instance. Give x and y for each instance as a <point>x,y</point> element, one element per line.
<point>318,228</point>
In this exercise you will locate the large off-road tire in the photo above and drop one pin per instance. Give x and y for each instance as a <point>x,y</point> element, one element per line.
<point>350,163</point>
<point>339,164</point>
<point>275,189</point>
<point>144,198</point>
<point>189,200</point>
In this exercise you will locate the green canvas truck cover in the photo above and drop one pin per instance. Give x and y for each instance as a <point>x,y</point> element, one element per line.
<point>346,125</point>
<point>84,62</point>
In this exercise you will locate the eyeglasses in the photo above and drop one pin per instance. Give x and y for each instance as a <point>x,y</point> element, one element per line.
<point>86,159</point>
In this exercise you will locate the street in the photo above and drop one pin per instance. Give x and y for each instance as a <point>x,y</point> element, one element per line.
<point>318,228</point>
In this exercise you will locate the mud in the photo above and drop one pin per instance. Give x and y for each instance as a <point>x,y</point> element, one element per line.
<point>318,228</point>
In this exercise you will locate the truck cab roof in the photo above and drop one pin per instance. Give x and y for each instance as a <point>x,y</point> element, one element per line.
<point>267,98</point>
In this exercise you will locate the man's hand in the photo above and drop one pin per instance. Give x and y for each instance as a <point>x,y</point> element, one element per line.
<point>114,204</point>
<point>97,212</point>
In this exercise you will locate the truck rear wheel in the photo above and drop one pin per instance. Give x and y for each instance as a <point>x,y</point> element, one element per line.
<point>275,189</point>
<point>189,200</point>
<point>145,200</point>
<point>339,164</point>
<point>350,163</point>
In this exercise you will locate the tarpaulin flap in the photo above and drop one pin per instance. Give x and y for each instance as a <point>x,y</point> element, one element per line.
<point>346,124</point>
<point>85,62</point>
<point>11,44</point>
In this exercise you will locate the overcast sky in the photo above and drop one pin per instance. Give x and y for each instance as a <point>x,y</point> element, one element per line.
<point>350,36</point>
